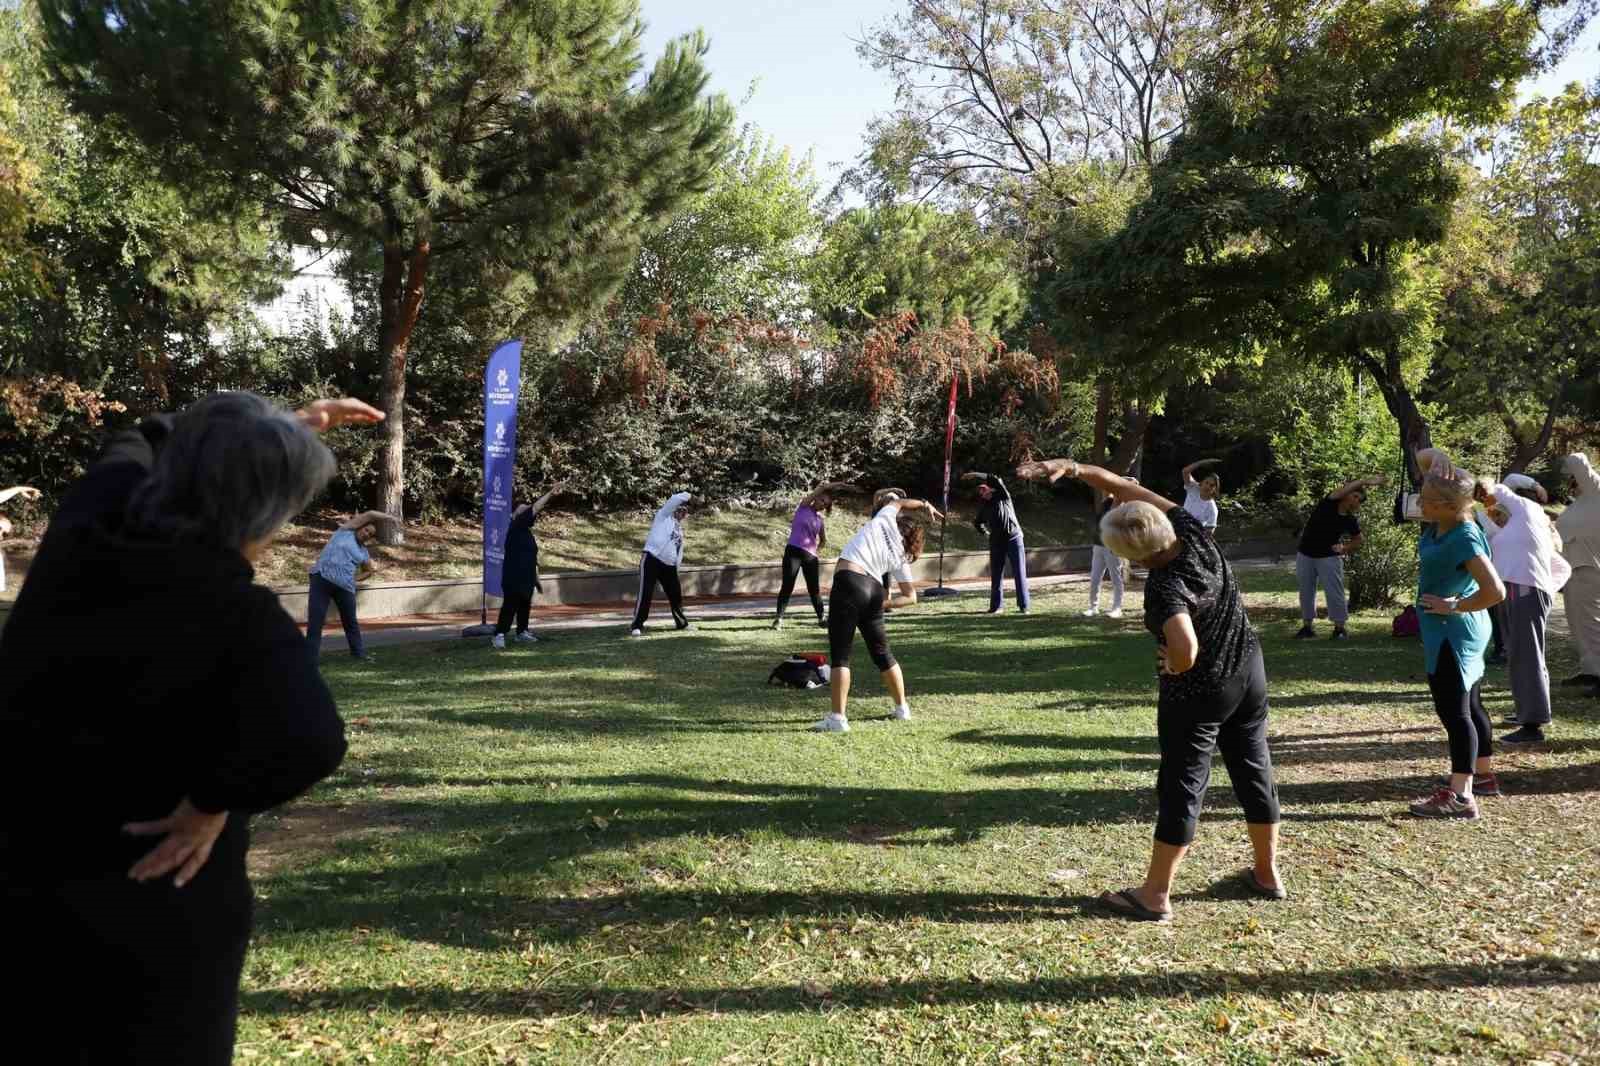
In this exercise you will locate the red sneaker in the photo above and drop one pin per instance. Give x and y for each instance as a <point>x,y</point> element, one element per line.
<point>1446,804</point>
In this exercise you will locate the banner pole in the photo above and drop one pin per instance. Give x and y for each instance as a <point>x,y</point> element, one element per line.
<point>949,443</point>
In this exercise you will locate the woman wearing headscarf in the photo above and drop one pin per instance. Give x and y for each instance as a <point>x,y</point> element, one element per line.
<point>1213,684</point>
<point>137,761</point>
<point>1456,585</point>
<point>519,572</point>
<point>1579,526</point>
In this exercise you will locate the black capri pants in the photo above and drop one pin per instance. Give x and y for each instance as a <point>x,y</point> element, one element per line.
<point>1232,718</point>
<point>795,562</point>
<point>856,602</point>
<point>1461,711</point>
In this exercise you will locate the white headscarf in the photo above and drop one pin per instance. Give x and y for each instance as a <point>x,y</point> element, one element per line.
<point>1579,524</point>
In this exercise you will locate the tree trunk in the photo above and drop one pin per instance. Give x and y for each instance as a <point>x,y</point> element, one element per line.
<point>1414,432</point>
<point>1527,451</point>
<point>1127,456</point>
<point>1102,422</point>
<point>405,274</point>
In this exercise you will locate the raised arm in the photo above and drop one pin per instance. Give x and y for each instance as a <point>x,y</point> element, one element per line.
<point>365,518</point>
<point>992,480</point>
<point>921,505</point>
<point>818,497</point>
<point>1114,485</point>
<point>675,501</point>
<point>27,492</point>
<point>1188,471</point>
<point>538,505</point>
<point>1359,485</point>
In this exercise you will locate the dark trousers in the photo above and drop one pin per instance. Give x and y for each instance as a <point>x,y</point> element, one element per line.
<point>1233,719</point>
<point>1461,710</point>
<point>999,555</point>
<point>513,606</point>
<point>856,602</point>
<point>651,571</point>
<point>1497,632</point>
<point>798,561</point>
<point>162,966</point>
<point>1523,616</point>
<point>322,593</point>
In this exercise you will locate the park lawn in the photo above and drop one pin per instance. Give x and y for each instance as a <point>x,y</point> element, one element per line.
<point>595,850</point>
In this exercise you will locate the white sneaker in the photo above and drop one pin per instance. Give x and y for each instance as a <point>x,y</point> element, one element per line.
<point>526,637</point>
<point>1091,612</point>
<point>1115,612</point>
<point>902,714</point>
<point>499,641</point>
<point>635,632</point>
<point>832,724</point>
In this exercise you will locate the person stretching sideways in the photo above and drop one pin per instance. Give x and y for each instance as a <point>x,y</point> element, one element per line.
<point>26,492</point>
<point>1579,526</point>
<point>663,551</point>
<point>889,543</point>
<point>1456,585</point>
<point>1213,684</point>
<point>1200,497</point>
<point>1103,562</point>
<point>333,580</point>
<point>997,520</point>
<point>1332,533</point>
<point>808,534</point>
<point>519,572</point>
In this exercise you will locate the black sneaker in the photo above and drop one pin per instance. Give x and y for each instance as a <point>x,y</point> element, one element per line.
<point>1306,633</point>
<point>822,623</point>
<point>777,623</point>
<point>1528,734</point>
<point>1340,634</point>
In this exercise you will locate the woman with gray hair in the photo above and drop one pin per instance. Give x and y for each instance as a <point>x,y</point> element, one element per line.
<point>151,692</point>
<point>1579,526</point>
<point>1456,585</point>
<point>1213,684</point>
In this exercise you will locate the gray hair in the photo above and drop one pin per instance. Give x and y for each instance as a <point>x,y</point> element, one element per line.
<point>1137,530</point>
<point>1455,488</point>
<point>233,470</point>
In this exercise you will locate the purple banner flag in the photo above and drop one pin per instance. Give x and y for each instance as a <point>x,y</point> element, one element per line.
<point>501,381</point>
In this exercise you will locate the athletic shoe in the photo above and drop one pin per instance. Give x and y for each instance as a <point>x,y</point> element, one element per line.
<point>822,623</point>
<point>1022,610</point>
<point>684,626</point>
<point>777,623</point>
<point>1528,734</point>
<point>832,724</point>
<point>499,641</point>
<point>525,637</point>
<point>992,610</point>
<point>1340,634</point>
<point>1091,612</point>
<point>635,632</point>
<point>902,714</point>
<point>1305,633</point>
<point>1580,679</point>
<point>1115,612</point>
<point>1446,804</point>
<point>1482,785</point>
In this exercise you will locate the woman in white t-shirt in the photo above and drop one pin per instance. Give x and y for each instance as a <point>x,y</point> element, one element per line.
<point>27,492</point>
<point>888,544</point>
<point>1200,497</point>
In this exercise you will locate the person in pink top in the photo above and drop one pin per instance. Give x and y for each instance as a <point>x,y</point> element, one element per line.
<point>807,535</point>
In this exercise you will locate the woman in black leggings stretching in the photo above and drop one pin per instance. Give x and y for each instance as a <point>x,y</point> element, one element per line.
<point>889,543</point>
<point>808,534</point>
<point>1213,685</point>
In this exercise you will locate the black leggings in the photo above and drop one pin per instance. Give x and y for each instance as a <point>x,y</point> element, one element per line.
<point>1461,711</point>
<point>1232,718</point>
<point>652,570</point>
<point>797,561</point>
<point>517,607</point>
<point>856,601</point>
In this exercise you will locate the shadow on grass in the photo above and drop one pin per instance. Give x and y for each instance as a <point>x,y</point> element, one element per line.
<point>1542,971</point>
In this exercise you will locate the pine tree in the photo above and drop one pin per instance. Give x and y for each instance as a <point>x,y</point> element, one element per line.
<point>515,131</point>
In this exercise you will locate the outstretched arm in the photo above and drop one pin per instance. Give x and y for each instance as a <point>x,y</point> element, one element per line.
<point>538,505</point>
<point>1117,487</point>
<point>818,497</point>
<point>1188,471</point>
<point>27,492</point>
<point>1356,486</point>
<point>992,480</point>
<point>921,505</point>
<point>365,518</point>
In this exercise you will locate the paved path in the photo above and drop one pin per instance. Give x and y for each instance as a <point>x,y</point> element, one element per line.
<point>424,628</point>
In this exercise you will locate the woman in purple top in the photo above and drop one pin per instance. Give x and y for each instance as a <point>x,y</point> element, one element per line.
<point>807,534</point>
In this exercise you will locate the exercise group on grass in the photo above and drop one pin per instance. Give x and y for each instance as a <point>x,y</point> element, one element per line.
<point>204,706</point>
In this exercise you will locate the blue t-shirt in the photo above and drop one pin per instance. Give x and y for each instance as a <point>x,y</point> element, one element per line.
<point>1443,572</point>
<point>339,560</point>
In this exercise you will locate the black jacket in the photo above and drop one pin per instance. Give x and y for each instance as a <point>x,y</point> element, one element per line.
<point>519,574</point>
<point>997,518</point>
<point>135,672</point>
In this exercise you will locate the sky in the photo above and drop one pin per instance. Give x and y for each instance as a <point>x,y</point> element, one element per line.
<point>813,93</point>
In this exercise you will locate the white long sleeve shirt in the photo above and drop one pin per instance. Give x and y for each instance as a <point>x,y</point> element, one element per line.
<point>665,541</point>
<point>1579,524</point>
<point>1524,551</point>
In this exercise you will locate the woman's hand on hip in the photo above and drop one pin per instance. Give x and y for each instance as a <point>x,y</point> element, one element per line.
<point>1439,604</point>
<point>189,835</point>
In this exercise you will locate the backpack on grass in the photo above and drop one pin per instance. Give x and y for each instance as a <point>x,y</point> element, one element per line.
<point>1406,623</point>
<point>808,670</point>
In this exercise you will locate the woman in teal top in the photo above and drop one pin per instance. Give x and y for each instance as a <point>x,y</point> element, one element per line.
<point>1456,584</point>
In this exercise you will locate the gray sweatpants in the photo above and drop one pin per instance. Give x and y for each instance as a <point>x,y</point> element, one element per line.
<point>1103,563</point>
<point>1582,600</point>
<point>1522,618</point>
<point>1330,572</point>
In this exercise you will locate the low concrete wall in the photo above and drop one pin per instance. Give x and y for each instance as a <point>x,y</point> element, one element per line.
<point>746,579</point>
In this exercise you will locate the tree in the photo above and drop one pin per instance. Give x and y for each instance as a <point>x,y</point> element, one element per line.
<point>511,131</point>
<point>941,265</point>
<point>1292,210</point>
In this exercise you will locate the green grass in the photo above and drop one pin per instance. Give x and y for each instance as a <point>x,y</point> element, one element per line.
<point>601,851</point>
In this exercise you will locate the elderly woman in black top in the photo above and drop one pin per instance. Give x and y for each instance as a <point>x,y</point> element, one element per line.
<point>519,573</point>
<point>136,761</point>
<point>1213,686</point>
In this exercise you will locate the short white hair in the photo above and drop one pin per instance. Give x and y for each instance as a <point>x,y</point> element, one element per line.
<point>1137,530</point>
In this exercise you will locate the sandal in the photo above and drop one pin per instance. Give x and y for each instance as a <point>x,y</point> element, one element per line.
<point>1125,904</point>
<point>1253,884</point>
